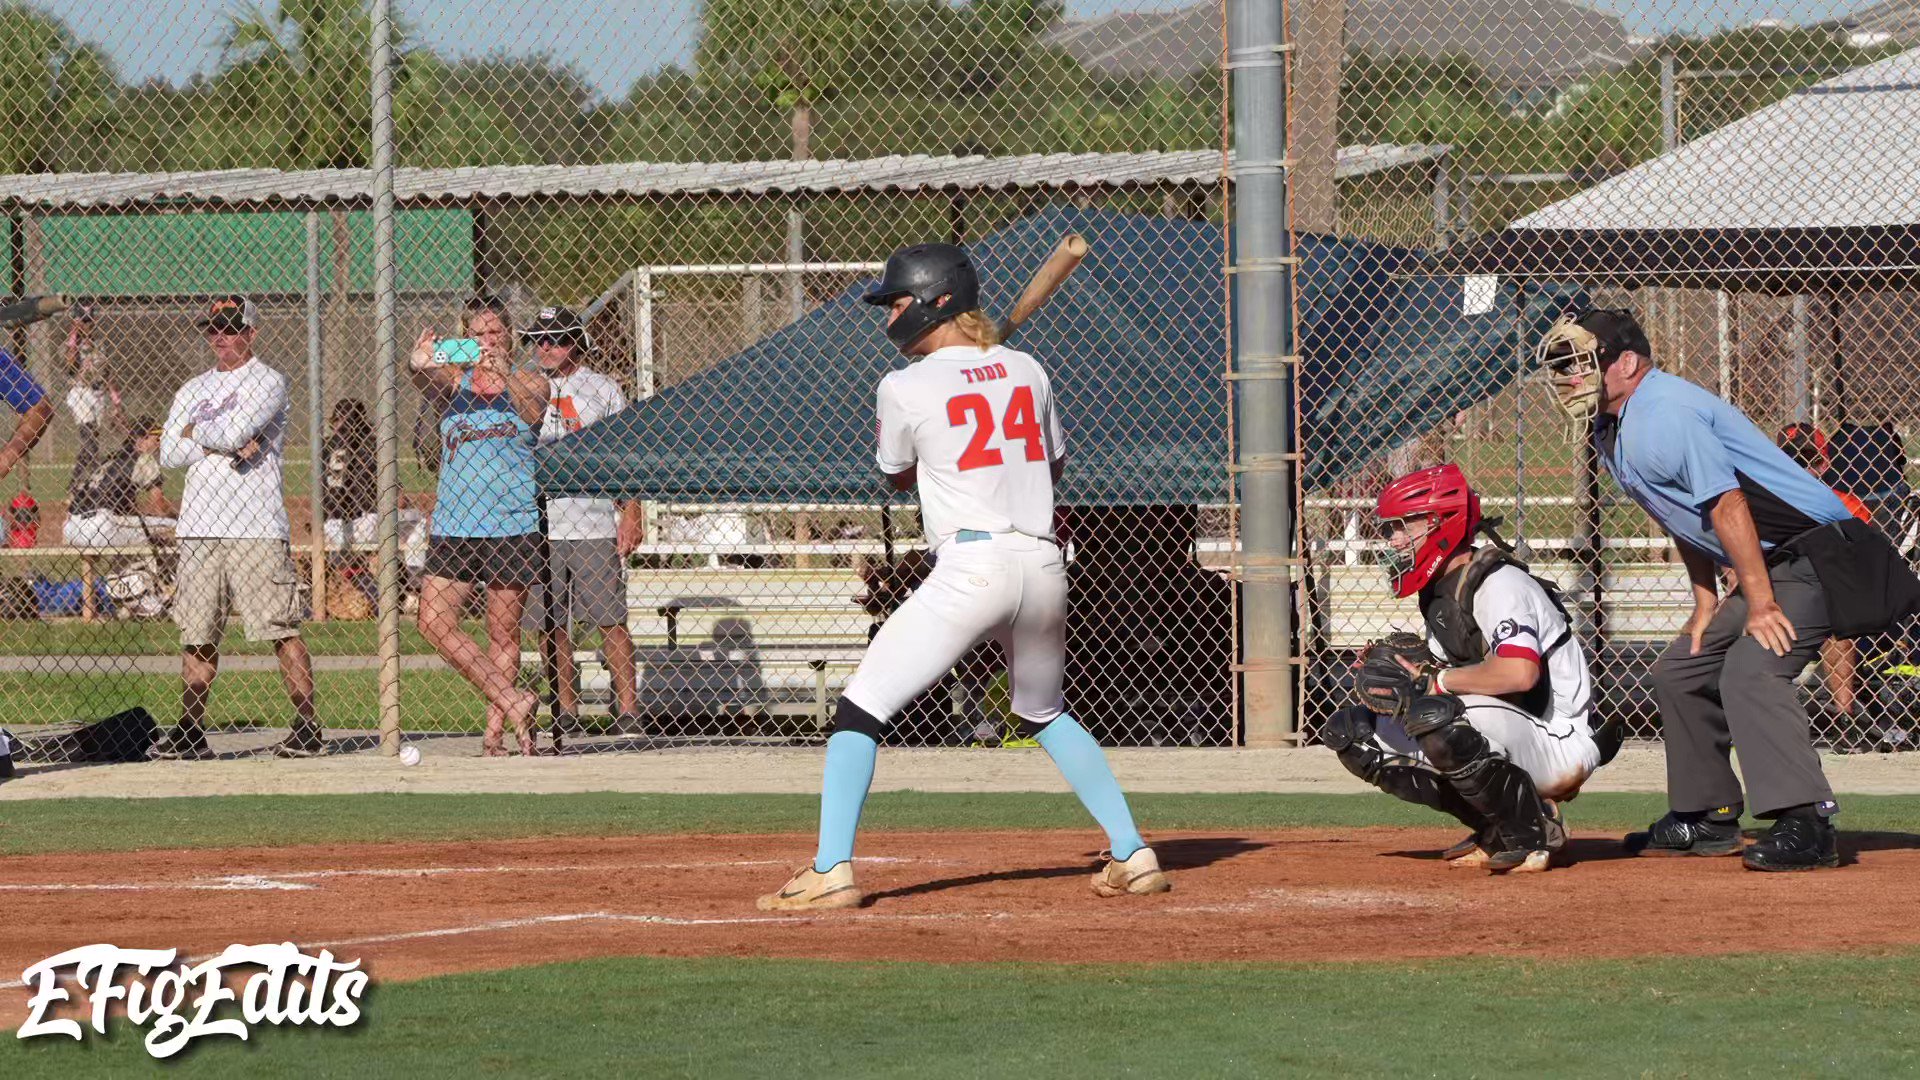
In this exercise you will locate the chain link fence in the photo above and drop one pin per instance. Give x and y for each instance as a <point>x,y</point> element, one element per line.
<point>707,185</point>
<point>1738,186</point>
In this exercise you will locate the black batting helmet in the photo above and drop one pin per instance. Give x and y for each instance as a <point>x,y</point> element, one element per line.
<point>941,282</point>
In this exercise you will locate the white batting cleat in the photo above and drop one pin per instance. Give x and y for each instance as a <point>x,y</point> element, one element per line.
<point>1138,875</point>
<point>810,890</point>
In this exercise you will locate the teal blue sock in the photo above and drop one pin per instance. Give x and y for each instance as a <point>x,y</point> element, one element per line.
<point>1084,764</point>
<point>843,792</point>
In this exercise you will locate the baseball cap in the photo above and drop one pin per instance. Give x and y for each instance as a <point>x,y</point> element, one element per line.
<point>555,322</point>
<point>229,313</point>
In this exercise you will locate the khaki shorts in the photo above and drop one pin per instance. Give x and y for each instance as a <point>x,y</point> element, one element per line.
<point>217,575</point>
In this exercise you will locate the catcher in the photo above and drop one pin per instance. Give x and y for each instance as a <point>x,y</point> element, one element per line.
<point>1489,718</point>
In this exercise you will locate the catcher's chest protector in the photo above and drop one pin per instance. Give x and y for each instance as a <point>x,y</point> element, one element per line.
<point>1447,604</point>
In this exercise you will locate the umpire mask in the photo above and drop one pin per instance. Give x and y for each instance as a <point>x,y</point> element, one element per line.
<point>1570,356</point>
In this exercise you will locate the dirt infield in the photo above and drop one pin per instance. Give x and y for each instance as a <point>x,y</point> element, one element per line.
<point>411,910</point>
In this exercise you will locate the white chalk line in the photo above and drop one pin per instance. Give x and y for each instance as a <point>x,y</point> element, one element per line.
<point>290,881</point>
<point>600,916</point>
<point>840,918</point>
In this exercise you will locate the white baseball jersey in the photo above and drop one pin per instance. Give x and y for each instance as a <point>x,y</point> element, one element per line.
<point>982,429</point>
<point>1518,618</point>
<point>582,398</point>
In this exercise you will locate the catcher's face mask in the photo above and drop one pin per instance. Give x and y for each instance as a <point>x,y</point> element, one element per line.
<point>1570,357</point>
<point>1405,537</point>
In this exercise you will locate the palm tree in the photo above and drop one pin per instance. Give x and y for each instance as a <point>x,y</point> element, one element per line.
<point>54,92</point>
<point>310,63</point>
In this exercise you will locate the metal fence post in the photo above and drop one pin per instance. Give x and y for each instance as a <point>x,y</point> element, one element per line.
<point>1263,352</point>
<point>1669,106</point>
<point>316,421</point>
<point>387,409</point>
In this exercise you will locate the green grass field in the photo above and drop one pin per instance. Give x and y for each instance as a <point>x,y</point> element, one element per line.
<point>1752,1015</point>
<point>438,700</point>
<point>74,638</point>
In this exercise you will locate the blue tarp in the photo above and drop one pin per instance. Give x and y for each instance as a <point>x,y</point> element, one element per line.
<point>1135,345</point>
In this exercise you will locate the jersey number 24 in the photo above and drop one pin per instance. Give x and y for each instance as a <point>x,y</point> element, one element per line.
<point>1019,423</point>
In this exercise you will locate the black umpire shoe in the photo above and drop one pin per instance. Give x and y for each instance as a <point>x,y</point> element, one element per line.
<point>1695,832</point>
<point>1801,839</point>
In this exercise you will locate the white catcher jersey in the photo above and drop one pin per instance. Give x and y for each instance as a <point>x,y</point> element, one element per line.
<point>982,429</point>
<point>1517,618</point>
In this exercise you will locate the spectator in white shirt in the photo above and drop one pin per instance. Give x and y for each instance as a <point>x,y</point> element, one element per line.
<point>228,428</point>
<point>588,539</point>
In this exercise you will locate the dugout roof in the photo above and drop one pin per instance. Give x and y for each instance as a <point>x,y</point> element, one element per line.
<point>1819,190</point>
<point>911,174</point>
<point>1136,347</point>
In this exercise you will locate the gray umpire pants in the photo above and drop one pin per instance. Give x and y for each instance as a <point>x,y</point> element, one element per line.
<point>1736,693</point>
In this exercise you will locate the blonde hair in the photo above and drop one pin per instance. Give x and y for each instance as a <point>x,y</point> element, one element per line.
<point>976,325</point>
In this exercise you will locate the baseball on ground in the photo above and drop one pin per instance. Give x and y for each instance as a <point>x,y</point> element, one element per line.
<point>409,755</point>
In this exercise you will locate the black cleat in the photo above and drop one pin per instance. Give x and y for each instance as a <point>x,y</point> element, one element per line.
<point>303,741</point>
<point>182,744</point>
<point>1709,832</point>
<point>1798,841</point>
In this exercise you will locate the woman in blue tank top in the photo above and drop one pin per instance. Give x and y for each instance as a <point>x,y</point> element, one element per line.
<point>486,514</point>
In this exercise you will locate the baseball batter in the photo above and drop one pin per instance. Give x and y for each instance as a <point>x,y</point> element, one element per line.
<point>1489,718</point>
<point>973,424</point>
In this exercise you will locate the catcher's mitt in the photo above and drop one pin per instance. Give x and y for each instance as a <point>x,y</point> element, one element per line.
<point>1381,683</point>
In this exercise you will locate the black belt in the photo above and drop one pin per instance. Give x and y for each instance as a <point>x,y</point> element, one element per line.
<point>1789,551</point>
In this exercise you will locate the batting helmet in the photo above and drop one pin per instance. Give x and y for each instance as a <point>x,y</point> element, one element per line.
<point>941,282</point>
<point>1442,493</point>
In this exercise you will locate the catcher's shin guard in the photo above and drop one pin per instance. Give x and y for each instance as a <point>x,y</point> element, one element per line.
<point>1492,785</point>
<point>1349,733</point>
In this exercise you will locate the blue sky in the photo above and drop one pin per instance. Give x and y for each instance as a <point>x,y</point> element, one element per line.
<point>613,43</point>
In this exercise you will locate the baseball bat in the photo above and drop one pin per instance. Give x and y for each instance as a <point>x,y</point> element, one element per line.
<point>30,310</point>
<point>1052,273</point>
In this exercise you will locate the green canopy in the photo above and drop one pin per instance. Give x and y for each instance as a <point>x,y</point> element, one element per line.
<point>1135,344</point>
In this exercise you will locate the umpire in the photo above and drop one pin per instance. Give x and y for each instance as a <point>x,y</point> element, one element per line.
<point>1729,498</point>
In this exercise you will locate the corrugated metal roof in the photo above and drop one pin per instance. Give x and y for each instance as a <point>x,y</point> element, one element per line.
<point>1521,43</point>
<point>917,173</point>
<point>1844,153</point>
<point>1898,19</point>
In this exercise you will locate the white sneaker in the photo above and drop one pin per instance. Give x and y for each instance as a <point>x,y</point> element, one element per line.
<point>810,890</point>
<point>1139,875</point>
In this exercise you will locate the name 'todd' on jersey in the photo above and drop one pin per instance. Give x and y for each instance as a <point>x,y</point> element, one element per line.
<point>982,430</point>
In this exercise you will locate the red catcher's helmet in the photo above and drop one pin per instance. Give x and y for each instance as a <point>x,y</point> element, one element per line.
<point>1442,492</point>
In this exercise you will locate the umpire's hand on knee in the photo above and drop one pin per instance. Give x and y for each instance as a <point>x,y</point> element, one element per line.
<point>1768,625</point>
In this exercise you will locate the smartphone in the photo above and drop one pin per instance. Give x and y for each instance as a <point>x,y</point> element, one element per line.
<point>457,351</point>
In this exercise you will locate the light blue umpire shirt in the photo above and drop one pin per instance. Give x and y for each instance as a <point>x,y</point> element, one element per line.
<point>1675,448</point>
